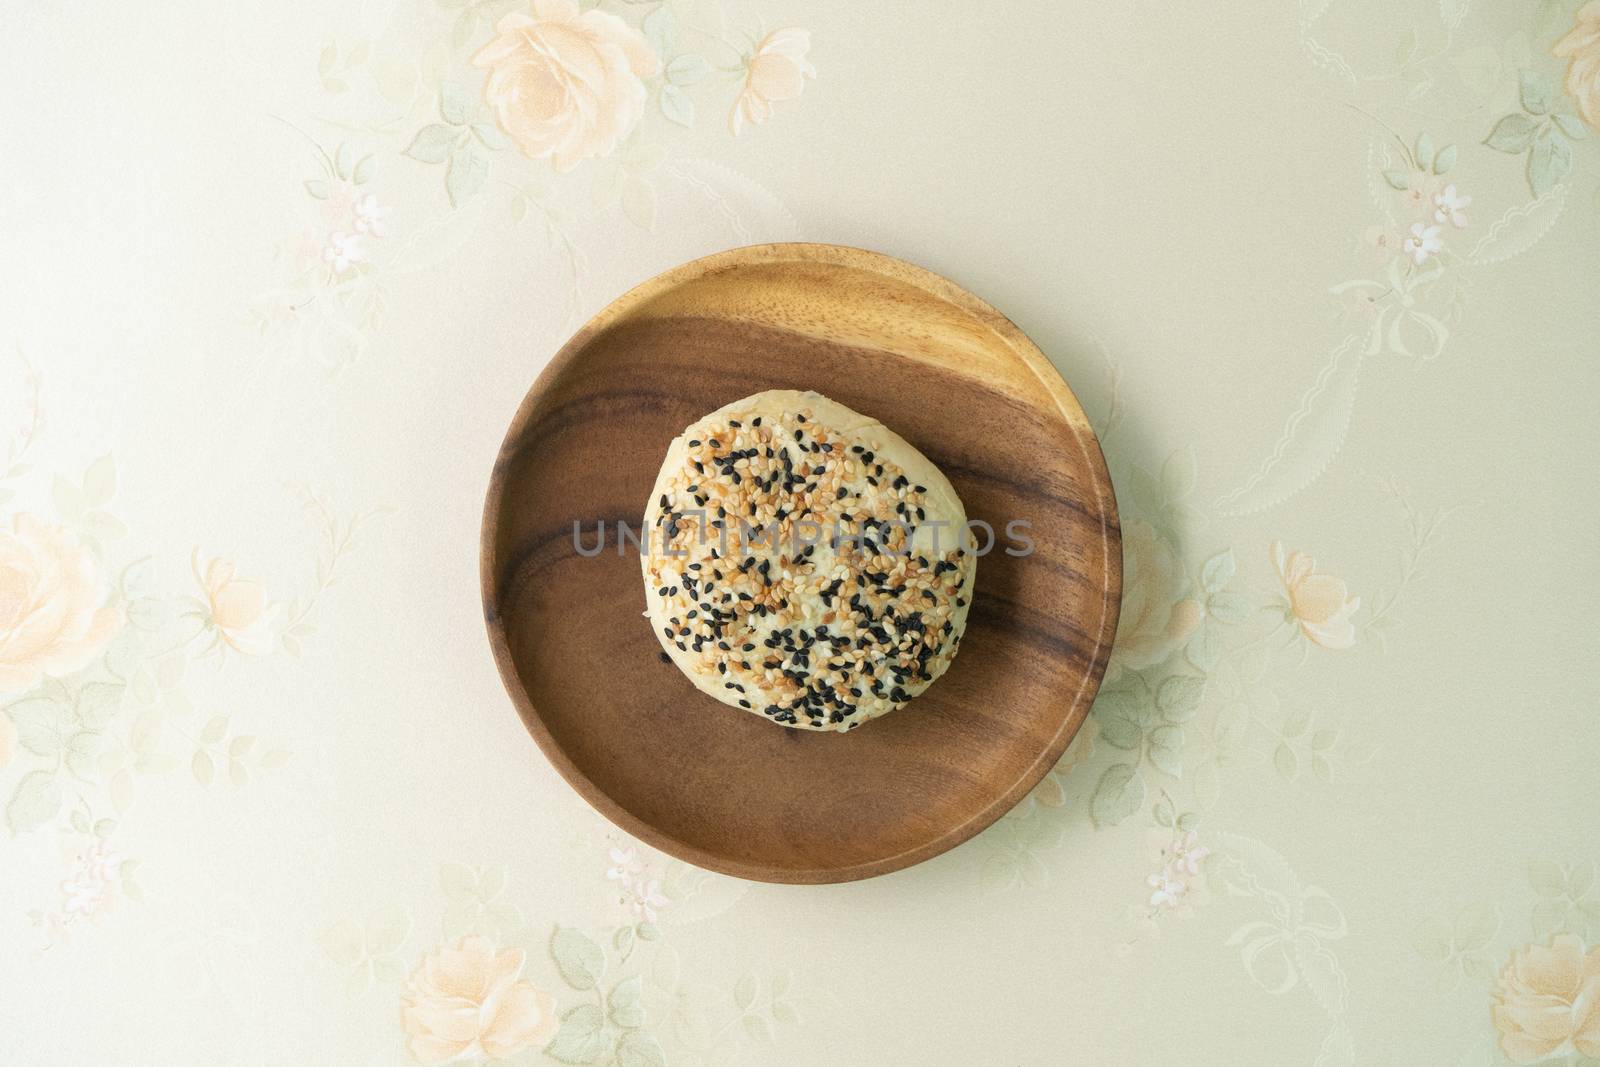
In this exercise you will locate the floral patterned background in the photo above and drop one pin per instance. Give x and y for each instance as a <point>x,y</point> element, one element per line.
<point>1323,273</point>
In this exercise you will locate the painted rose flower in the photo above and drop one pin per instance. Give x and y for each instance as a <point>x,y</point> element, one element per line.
<point>464,1002</point>
<point>1319,603</point>
<point>8,739</point>
<point>53,614</point>
<point>1581,46</point>
<point>1547,1001</point>
<point>1157,614</point>
<point>566,84</point>
<point>776,70</point>
<point>1450,206</point>
<point>235,608</point>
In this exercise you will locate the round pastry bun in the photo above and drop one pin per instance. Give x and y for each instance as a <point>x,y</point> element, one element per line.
<point>804,562</point>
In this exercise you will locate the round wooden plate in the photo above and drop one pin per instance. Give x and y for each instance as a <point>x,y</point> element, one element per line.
<point>720,787</point>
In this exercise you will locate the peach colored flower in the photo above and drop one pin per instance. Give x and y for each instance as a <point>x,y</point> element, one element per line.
<point>465,1001</point>
<point>1582,46</point>
<point>564,84</point>
<point>53,613</point>
<point>93,887</point>
<point>8,739</point>
<point>235,607</point>
<point>1320,603</point>
<point>1547,1001</point>
<point>777,70</point>
<point>1157,614</point>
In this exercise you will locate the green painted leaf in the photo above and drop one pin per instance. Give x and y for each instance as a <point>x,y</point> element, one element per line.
<point>100,481</point>
<point>639,202</point>
<point>455,104</point>
<point>1537,92</point>
<point>341,159</point>
<point>649,931</point>
<point>1229,607</point>
<point>1189,820</point>
<point>661,29</point>
<point>1166,749</point>
<point>80,753</point>
<point>1513,134</point>
<point>638,1049</point>
<point>465,176</point>
<point>39,722</point>
<point>364,169</point>
<point>625,1005</point>
<point>1549,162</point>
<point>757,1028</point>
<point>1218,571</point>
<point>1398,179</point>
<point>433,143</point>
<point>1178,473</point>
<point>1205,647</point>
<point>1572,126</point>
<point>687,69</point>
<point>582,1037</point>
<point>1119,794</point>
<point>579,959</point>
<point>69,499</point>
<point>783,1013</point>
<point>489,135</point>
<point>34,802</point>
<point>1445,159</point>
<point>676,105</point>
<point>1121,733</point>
<point>1179,697</point>
<point>201,766</point>
<point>1286,761</point>
<point>744,992</point>
<point>1323,740</point>
<point>1161,811</point>
<point>79,821</point>
<point>623,939</point>
<point>1424,152</point>
<point>98,703</point>
<point>1407,46</point>
<point>326,59</point>
<point>214,730</point>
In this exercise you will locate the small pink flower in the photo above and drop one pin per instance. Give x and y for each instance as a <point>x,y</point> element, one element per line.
<point>641,893</point>
<point>343,251</point>
<point>92,889</point>
<point>369,215</point>
<point>1169,890</point>
<point>1423,241</point>
<point>1449,206</point>
<point>777,70</point>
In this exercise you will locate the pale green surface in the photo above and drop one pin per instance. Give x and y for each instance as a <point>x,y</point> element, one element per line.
<point>1172,199</point>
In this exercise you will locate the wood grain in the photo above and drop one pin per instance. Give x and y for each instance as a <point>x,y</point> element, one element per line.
<point>714,785</point>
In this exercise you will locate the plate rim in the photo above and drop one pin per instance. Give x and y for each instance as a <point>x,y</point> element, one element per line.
<point>1067,406</point>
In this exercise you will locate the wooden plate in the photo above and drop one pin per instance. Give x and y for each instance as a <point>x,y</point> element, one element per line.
<point>720,787</point>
